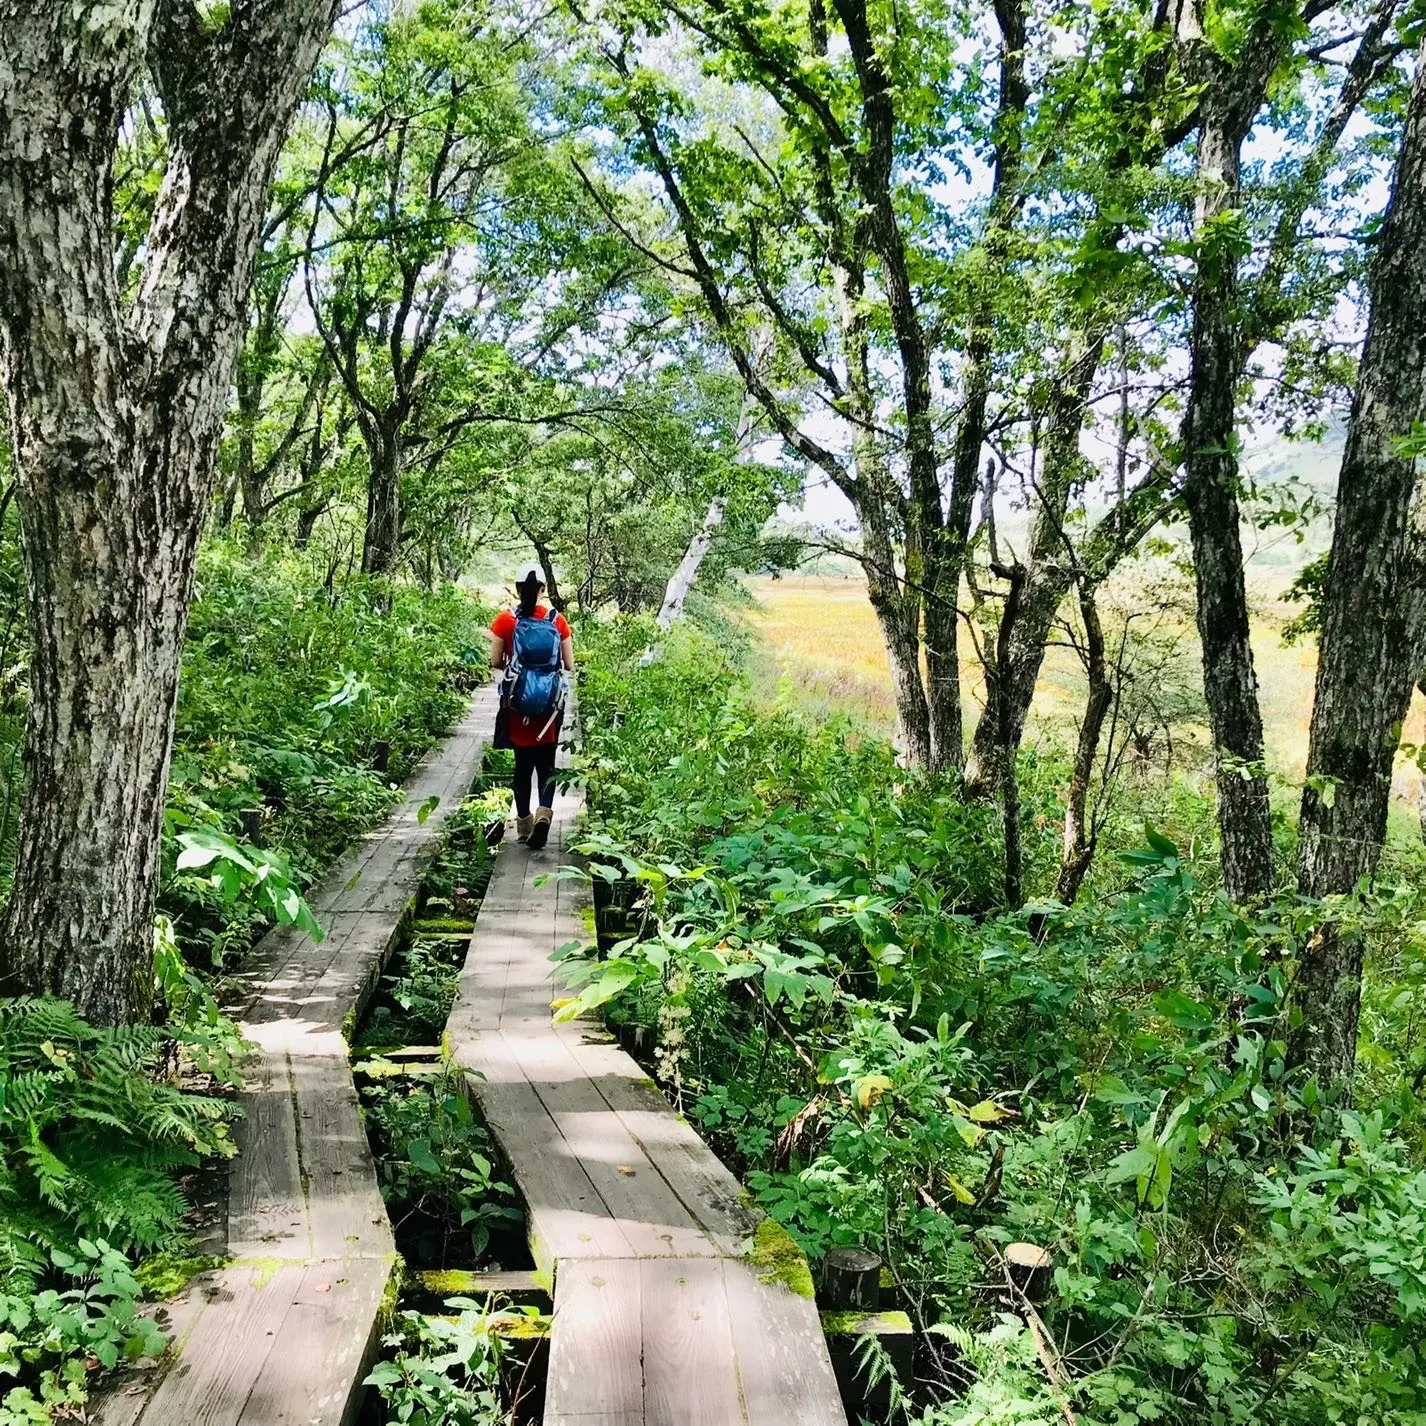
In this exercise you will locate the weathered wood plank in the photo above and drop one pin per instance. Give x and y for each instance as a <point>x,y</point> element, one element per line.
<point>596,1348</point>
<point>653,1219</point>
<point>567,1216</point>
<point>228,1348</point>
<point>288,1341</point>
<point>782,1360</point>
<point>688,1345</point>
<point>313,1378</point>
<point>267,1209</point>
<point>348,1216</point>
<point>712,1196</point>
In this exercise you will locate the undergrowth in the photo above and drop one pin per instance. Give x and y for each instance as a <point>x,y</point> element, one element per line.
<point>93,1136</point>
<point>892,1060</point>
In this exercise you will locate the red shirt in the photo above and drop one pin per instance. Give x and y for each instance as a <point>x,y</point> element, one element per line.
<point>523,734</point>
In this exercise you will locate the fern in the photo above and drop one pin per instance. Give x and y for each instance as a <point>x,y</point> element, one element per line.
<point>92,1136</point>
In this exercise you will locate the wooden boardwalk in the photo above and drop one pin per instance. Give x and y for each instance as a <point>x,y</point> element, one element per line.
<point>672,1304</point>
<point>284,1332</point>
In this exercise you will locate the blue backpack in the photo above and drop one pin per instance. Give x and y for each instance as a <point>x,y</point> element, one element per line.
<point>536,687</point>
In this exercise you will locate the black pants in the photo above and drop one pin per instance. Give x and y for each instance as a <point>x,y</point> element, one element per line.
<point>541,762</point>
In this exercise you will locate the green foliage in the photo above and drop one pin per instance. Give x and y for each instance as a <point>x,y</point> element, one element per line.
<point>414,1001</point>
<point>436,1170</point>
<point>288,683</point>
<point>891,1060</point>
<point>442,1371</point>
<point>93,1134</point>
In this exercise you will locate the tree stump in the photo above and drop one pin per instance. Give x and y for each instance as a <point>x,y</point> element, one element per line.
<point>1031,1269</point>
<point>250,821</point>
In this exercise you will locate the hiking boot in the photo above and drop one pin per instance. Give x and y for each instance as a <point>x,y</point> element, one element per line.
<point>523,827</point>
<point>540,832</point>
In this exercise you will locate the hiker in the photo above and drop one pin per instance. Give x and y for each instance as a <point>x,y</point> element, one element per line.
<point>533,645</point>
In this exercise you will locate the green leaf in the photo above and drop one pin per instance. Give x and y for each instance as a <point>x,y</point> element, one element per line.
<point>419,1152</point>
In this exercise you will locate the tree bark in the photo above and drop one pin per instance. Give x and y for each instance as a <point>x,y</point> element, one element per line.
<point>681,580</point>
<point>1026,622</point>
<point>1210,494</point>
<point>382,539</point>
<point>1371,626</point>
<point>1080,836</point>
<point>115,414</point>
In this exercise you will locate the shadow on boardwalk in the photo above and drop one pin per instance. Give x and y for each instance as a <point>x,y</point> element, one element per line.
<point>676,1304</point>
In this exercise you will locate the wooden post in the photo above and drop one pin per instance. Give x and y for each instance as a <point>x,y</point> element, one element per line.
<point>380,755</point>
<point>1029,1273</point>
<point>851,1281</point>
<point>863,1398</point>
<point>250,820</point>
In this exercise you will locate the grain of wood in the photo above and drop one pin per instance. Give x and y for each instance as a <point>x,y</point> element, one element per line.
<point>596,1345</point>
<point>688,1345</point>
<point>315,1371</point>
<point>786,1374</point>
<point>228,1349</point>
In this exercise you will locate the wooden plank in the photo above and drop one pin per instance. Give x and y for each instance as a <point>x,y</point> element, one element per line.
<point>228,1349</point>
<point>781,1354</point>
<point>653,1219</point>
<point>284,996</point>
<point>567,1217</point>
<point>712,1196</point>
<point>596,1348</point>
<point>348,1215</point>
<point>305,1171</point>
<point>314,1378</point>
<point>267,1209</point>
<point>687,1345</point>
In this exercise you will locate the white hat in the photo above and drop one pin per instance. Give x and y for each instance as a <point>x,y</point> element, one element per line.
<point>529,572</point>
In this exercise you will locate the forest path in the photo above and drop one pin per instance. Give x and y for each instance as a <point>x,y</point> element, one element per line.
<point>284,1332</point>
<point>675,1302</point>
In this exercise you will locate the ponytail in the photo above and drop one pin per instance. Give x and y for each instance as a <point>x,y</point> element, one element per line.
<point>529,593</point>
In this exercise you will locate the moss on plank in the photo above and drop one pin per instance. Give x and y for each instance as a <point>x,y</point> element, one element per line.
<point>778,1258</point>
<point>391,1295</point>
<point>442,926</point>
<point>862,1324</point>
<point>165,1275</point>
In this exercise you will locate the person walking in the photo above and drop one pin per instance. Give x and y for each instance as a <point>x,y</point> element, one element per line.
<point>532,647</point>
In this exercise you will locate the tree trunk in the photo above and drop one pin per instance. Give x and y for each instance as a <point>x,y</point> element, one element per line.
<point>383,505</point>
<point>895,600</point>
<point>1080,833</point>
<point>744,439</point>
<point>307,517</point>
<point>1010,775</point>
<point>1211,496</point>
<point>115,413</point>
<point>249,393</point>
<point>1371,629</point>
<point>681,580</point>
<point>1027,621</point>
<point>897,607</point>
<point>108,597</point>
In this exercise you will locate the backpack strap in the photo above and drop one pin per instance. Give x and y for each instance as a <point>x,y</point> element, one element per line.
<point>553,616</point>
